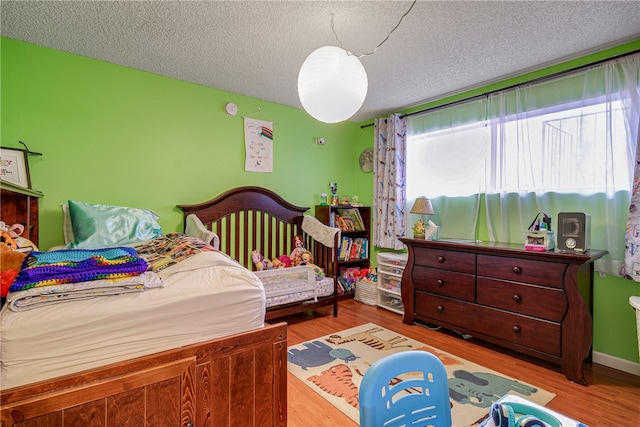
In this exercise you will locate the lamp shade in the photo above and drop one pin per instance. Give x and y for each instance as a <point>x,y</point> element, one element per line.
<point>422,206</point>
<point>332,84</point>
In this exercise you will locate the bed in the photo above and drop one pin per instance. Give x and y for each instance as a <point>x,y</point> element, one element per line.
<point>195,352</point>
<point>248,219</point>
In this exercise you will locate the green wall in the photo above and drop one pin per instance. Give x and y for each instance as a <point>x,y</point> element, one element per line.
<point>115,135</point>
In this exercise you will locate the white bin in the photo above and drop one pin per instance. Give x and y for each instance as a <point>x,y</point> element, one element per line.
<point>635,303</point>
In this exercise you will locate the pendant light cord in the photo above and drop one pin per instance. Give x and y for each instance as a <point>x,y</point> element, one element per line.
<point>381,43</point>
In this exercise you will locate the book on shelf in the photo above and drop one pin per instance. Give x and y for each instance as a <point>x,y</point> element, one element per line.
<point>364,249</point>
<point>348,224</point>
<point>340,222</point>
<point>353,248</point>
<point>353,214</point>
<point>347,279</point>
<point>354,251</point>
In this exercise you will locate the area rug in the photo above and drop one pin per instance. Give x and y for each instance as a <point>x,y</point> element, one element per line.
<point>333,366</point>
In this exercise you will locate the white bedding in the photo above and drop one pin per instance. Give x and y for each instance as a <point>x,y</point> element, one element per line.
<point>206,296</point>
<point>295,284</point>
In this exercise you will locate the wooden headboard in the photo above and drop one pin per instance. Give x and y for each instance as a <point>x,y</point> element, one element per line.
<point>255,218</point>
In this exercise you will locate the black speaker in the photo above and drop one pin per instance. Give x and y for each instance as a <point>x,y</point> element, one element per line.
<point>574,232</point>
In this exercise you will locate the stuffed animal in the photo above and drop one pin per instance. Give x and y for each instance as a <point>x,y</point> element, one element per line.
<point>305,258</point>
<point>12,236</point>
<point>286,260</point>
<point>298,248</point>
<point>363,273</point>
<point>6,238</point>
<point>268,264</point>
<point>277,263</point>
<point>257,260</point>
<point>372,275</point>
<point>318,271</point>
<point>10,264</point>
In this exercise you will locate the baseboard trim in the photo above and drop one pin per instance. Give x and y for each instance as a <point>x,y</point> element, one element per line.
<point>616,363</point>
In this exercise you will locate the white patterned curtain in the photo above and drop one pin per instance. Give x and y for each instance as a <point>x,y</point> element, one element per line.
<point>389,191</point>
<point>630,74</point>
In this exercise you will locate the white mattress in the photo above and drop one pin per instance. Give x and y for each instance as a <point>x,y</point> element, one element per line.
<point>206,296</point>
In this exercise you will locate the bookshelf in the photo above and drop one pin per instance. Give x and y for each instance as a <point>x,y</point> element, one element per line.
<point>353,253</point>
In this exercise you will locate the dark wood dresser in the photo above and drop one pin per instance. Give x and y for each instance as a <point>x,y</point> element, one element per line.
<point>537,303</point>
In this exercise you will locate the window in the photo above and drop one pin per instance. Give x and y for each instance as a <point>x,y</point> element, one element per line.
<point>563,144</point>
<point>562,150</point>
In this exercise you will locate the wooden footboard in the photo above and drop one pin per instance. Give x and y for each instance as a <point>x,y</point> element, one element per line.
<point>240,380</point>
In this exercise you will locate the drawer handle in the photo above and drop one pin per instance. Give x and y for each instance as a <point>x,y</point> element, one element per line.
<point>516,298</point>
<point>516,329</point>
<point>441,308</point>
<point>440,259</point>
<point>516,270</point>
<point>440,282</point>
<point>189,424</point>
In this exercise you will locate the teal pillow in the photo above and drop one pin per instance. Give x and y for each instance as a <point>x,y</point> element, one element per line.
<point>99,226</point>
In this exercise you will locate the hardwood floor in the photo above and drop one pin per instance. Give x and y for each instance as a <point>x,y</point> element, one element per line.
<point>612,397</point>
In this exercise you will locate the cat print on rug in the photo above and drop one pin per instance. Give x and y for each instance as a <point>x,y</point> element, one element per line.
<point>337,381</point>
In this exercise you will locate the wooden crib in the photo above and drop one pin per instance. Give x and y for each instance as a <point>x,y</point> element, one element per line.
<point>255,218</point>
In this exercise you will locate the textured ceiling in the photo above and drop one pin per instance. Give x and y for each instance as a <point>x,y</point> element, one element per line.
<point>256,48</point>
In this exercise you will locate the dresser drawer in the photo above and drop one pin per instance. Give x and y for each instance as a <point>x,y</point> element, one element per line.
<point>536,334</point>
<point>448,260</point>
<point>445,282</point>
<point>533,300</point>
<point>522,270</point>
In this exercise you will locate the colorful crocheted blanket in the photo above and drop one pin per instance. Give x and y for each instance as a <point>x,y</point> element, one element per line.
<point>77,265</point>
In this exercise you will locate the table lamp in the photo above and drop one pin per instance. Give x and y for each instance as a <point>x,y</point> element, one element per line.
<point>422,206</point>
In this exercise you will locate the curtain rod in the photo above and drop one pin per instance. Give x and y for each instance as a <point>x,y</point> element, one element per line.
<point>528,82</point>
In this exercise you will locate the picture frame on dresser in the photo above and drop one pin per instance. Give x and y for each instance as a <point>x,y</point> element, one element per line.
<point>14,166</point>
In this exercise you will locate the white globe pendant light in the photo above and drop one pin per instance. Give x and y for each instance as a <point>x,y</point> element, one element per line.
<point>332,84</point>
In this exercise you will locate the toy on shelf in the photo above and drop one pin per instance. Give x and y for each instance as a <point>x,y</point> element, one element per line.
<point>334,193</point>
<point>12,237</point>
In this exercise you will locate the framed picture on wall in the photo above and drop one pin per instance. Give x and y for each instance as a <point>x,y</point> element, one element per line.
<point>14,166</point>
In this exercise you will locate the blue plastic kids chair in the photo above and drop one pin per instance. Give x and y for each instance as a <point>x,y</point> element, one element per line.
<point>409,388</point>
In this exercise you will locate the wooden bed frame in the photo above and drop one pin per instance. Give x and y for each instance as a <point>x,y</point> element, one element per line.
<point>248,218</point>
<point>238,380</point>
